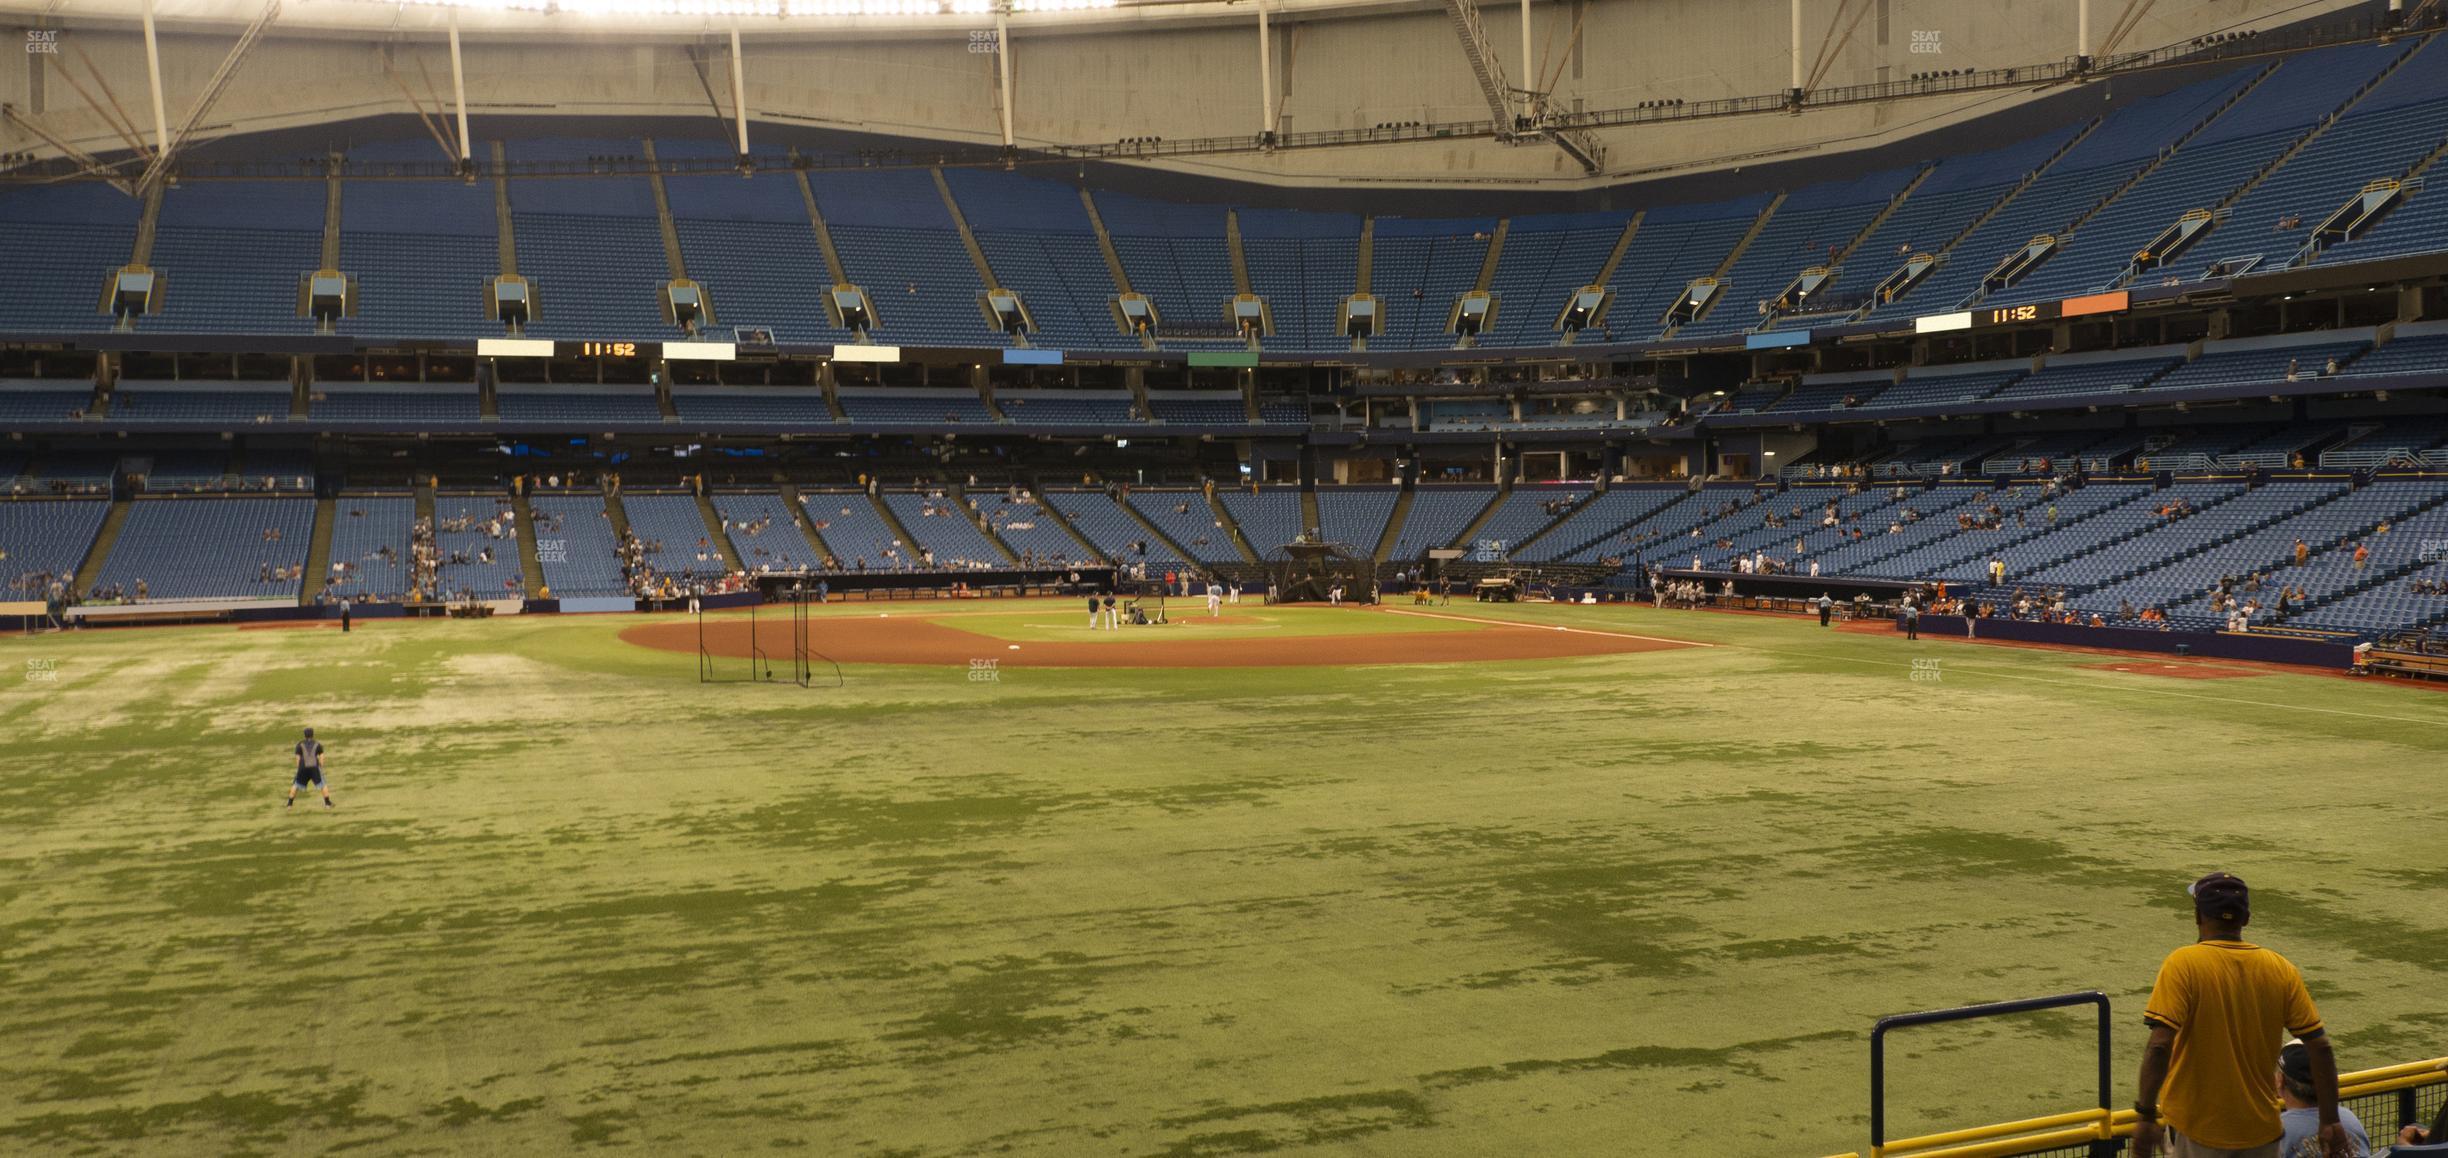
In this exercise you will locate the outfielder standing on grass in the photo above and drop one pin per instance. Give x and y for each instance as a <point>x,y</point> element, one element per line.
<point>309,770</point>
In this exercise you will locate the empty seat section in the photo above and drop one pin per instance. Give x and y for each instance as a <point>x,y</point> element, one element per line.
<point>401,407</point>
<point>912,407</point>
<point>1545,258</point>
<point>44,541</point>
<point>576,546</point>
<point>2088,174</point>
<point>1268,519</point>
<point>946,527</point>
<point>1116,535</point>
<point>370,540</point>
<point>1355,516</point>
<point>1040,244</point>
<point>230,254</point>
<point>237,404</point>
<point>60,244</point>
<point>860,538</point>
<point>1178,256</point>
<point>211,548</point>
<point>1438,513</point>
<point>1675,245</point>
<point>1417,269</point>
<point>1185,517</point>
<point>1065,408</point>
<point>1184,409</point>
<point>763,533</point>
<point>770,406</point>
<point>1025,526</point>
<point>578,406</point>
<point>422,253</point>
<point>1304,265</point>
<point>750,244</point>
<point>674,533</point>
<point>896,239</point>
<point>1813,222</point>
<point>2398,122</point>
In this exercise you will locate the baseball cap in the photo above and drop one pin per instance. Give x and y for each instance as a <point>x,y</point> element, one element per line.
<point>2295,1062</point>
<point>2221,894</point>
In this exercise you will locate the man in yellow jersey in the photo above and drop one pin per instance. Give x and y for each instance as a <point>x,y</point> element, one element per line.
<point>2218,1014</point>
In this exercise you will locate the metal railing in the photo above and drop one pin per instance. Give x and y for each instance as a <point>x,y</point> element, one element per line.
<point>2383,1099</point>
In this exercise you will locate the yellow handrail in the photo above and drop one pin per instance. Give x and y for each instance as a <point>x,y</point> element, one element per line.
<point>2004,1139</point>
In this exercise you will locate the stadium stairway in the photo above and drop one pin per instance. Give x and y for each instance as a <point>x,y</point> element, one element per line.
<point>1504,490</point>
<point>2310,134</point>
<point>1946,253</point>
<point>2378,576</point>
<point>90,570</point>
<point>969,241</point>
<point>1309,511</point>
<point>425,503</point>
<point>910,543</point>
<point>1054,515</point>
<point>1946,557</point>
<point>1521,549</point>
<point>798,513</point>
<point>531,567</point>
<point>961,493</point>
<point>1232,527</point>
<point>1155,534</point>
<point>616,512</point>
<point>1394,525</point>
<point>714,531</point>
<point>318,554</point>
<point>2272,517</point>
<point>824,243</point>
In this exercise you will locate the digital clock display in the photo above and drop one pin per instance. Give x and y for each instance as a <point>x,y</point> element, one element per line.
<point>2012,315</point>
<point>602,349</point>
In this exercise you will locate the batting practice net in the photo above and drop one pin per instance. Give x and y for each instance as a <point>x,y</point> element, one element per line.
<point>1312,572</point>
<point>782,627</point>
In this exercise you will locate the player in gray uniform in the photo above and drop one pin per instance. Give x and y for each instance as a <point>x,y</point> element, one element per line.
<point>309,770</point>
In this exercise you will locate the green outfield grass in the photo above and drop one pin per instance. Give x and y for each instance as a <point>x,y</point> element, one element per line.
<point>1641,904</point>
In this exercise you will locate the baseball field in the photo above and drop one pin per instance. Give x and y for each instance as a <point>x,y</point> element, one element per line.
<point>1465,880</point>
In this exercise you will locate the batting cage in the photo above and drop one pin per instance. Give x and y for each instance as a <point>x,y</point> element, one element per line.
<point>1314,572</point>
<point>743,649</point>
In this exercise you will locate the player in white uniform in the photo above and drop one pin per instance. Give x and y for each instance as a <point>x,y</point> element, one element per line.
<point>1215,599</point>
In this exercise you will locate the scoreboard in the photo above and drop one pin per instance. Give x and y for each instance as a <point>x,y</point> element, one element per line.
<point>607,349</point>
<point>2029,312</point>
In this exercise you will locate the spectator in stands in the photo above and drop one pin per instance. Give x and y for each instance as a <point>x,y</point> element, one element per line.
<point>2301,1108</point>
<point>2362,555</point>
<point>2216,1013</point>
